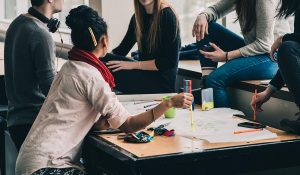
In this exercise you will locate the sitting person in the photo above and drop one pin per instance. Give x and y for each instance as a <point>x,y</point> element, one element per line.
<point>155,29</point>
<point>246,58</point>
<point>288,58</point>
<point>80,97</point>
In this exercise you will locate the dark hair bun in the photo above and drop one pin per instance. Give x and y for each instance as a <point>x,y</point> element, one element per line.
<point>79,20</point>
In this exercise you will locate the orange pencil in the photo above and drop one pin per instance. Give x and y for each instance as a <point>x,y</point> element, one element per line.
<point>254,112</point>
<point>246,131</point>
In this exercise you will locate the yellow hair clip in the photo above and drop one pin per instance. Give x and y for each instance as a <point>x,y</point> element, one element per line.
<point>93,36</point>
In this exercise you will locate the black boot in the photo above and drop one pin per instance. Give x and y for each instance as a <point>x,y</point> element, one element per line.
<point>292,125</point>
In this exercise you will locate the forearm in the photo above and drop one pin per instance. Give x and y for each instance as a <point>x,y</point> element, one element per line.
<point>219,10</point>
<point>277,82</point>
<point>234,54</point>
<point>145,65</point>
<point>140,121</point>
<point>269,91</point>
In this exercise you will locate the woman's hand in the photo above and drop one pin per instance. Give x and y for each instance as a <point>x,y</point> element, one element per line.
<point>182,100</point>
<point>217,56</point>
<point>200,27</point>
<point>260,99</point>
<point>120,65</point>
<point>275,47</point>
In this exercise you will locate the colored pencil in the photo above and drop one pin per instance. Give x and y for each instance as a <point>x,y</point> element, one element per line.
<point>246,131</point>
<point>254,112</point>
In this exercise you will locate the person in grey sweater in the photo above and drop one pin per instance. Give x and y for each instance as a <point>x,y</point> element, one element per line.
<point>29,53</point>
<point>246,58</point>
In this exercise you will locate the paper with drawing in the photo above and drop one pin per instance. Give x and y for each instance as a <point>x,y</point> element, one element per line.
<point>216,126</point>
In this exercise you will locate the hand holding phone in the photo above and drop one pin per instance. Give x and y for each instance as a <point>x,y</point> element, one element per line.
<point>207,48</point>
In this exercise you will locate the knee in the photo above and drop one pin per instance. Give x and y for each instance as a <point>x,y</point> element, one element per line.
<point>215,81</point>
<point>213,26</point>
<point>287,51</point>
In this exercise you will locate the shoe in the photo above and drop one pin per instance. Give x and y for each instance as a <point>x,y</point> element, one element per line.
<point>189,47</point>
<point>292,125</point>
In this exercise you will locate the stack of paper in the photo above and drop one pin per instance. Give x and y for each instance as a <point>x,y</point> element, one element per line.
<point>216,126</point>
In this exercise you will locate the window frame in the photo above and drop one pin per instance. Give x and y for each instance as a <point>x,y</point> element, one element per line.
<point>64,32</point>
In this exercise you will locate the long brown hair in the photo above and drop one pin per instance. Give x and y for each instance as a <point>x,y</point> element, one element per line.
<point>287,8</point>
<point>246,12</point>
<point>154,35</point>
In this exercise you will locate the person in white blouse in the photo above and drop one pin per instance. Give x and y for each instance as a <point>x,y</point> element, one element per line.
<point>81,97</point>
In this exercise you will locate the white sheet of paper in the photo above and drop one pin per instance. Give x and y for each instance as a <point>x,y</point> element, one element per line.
<point>142,97</point>
<point>216,126</point>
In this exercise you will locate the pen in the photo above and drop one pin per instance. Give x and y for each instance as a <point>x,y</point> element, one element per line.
<point>150,105</point>
<point>246,131</point>
<point>140,102</point>
<point>188,89</point>
<point>254,111</point>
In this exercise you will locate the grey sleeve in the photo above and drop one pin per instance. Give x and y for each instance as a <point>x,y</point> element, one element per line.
<point>219,10</point>
<point>265,15</point>
<point>43,50</point>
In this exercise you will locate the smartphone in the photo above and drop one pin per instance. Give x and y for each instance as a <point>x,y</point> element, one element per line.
<point>251,125</point>
<point>207,48</point>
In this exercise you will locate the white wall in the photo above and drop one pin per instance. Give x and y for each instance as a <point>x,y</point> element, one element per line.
<point>117,14</point>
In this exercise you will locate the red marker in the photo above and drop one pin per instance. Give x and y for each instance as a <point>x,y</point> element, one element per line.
<point>254,111</point>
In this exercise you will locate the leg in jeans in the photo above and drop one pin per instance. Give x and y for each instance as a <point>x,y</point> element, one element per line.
<point>18,134</point>
<point>289,66</point>
<point>244,68</point>
<point>189,52</point>
<point>222,37</point>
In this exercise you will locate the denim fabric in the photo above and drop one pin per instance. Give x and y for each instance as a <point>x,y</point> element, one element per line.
<point>218,34</point>
<point>239,69</point>
<point>189,52</point>
<point>257,67</point>
<point>289,67</point>
<point>223,38</point>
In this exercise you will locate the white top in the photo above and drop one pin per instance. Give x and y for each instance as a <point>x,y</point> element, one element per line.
<point>261,37</point>
<point>77,98</point>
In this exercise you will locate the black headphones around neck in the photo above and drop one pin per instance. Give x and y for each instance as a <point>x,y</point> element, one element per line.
<point>53,23</point>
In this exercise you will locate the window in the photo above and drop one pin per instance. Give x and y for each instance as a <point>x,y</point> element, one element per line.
<point>68,5</point>
<point>187,11</point>
<point>10,9</point>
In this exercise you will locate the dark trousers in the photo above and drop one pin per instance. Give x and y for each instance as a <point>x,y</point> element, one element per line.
<point>218,34</point>
<point>18,134</point>
<point>138,81</point>
<point>289,67</point>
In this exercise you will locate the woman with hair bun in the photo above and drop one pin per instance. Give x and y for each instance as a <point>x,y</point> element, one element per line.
<point>81,98</point>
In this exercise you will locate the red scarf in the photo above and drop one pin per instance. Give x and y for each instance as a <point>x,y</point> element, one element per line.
<point>76,54</point>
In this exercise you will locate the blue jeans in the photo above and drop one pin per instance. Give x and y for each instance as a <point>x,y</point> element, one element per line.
<point>256,67</point>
